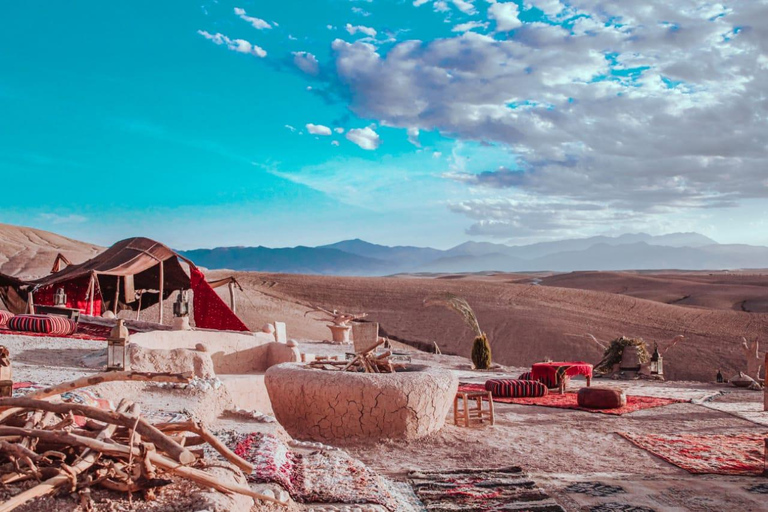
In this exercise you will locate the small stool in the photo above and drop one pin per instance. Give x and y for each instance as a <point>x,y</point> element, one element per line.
<point>468,414</point>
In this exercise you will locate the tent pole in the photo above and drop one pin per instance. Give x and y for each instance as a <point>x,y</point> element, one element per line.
<point>138,310</point>
<point>31,303</point>
<point>117,296</point>
<point>232,301</point>
<point>162,279</point>
<point>91,292</point>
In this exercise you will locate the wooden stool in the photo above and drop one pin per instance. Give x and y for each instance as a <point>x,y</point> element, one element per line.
<point>468,414</point>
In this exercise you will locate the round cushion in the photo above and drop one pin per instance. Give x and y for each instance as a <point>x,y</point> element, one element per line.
<point>4,317</point>
<point>526,376</point>
<point>515,388</point>
<point>601,398</point>
<point>45,324</point>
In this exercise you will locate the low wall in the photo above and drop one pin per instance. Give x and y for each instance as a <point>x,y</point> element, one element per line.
<point>231,353</point>
<point>336,406</point>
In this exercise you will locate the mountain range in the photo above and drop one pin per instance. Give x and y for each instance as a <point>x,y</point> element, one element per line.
<point>639,251</point>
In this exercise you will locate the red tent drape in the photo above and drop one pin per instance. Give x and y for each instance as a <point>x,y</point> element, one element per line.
<point>209,310</point>
<point>77,295</point>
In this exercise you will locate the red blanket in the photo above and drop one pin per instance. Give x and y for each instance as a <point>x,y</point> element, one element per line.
<point>210,311</point>
<point>551,372</point>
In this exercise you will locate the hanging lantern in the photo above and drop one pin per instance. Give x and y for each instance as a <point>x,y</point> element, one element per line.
<point>117,355</point>
<point>181,306</point>
<point>60,298</point>
<point>656,367</point>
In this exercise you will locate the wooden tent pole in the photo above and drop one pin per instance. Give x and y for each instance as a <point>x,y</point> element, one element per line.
<point>232,301</point>
<point>162,279</point>
<point>117,296</point>
<point>91,293</point>
<point>138,309</point>
<point>31,303</point>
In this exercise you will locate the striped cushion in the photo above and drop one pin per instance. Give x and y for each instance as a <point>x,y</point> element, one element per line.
<point>4,317</point>
<point>515,388</point>
<point>526,376</point>
<point>546,381</point>
<point>53,325</point>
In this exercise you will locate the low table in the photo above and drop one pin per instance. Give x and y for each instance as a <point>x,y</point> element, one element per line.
<point>559,372</point>
<point>469,413</point>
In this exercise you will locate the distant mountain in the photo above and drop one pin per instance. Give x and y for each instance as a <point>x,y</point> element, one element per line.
<point>399,255</point>
<point>293,260</point>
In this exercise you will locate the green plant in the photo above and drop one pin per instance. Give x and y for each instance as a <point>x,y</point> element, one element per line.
<point>481,353</point>
<point>481,348</point>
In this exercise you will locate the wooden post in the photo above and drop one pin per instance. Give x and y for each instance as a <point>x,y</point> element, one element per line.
<point>91,293</point>
<point>765,387</point>
<point>162,283</point>
<point>117,296</point>
<point>31,303</point>
<point>232,301</point>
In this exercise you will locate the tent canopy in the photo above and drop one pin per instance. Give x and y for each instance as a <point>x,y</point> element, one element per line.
<point>125,276</point>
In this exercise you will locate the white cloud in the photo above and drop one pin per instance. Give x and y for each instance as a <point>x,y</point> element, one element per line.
<point>318,129</point>
<point>334,143</point>
<point>505,15</point>
<point>257,23</point>
<point>418,3</point>
<point>57,219</point>
<point>366,138</point>
<point>413,136</point>
<point>464,6</point>
<point>470,25</point>
<point>237,45</point>
<point>306,62</point>
<point>339,130</point>
<point>291,128</point>
<point>354,29</point>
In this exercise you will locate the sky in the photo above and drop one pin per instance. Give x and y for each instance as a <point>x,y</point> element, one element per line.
<point>426,122</point>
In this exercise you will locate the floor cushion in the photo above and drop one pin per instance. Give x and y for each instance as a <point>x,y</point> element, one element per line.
<point>46,324</point>
<point>526,376</point>
<point>4,317</point>
<point>601,398</point>
<point>546,381</point>
<point>515,388</point>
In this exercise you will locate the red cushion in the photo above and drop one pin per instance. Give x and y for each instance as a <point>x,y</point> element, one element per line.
<point>4,317</point>
<point>515,388</point>
<point>53,325</point>
<point>526,376</point>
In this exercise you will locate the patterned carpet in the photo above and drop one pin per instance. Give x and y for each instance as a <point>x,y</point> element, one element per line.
<point>568,401</point>
<point>736,454</point>
<point>481,490</point>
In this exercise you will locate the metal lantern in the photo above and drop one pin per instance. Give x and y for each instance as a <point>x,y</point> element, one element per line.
<point>117,355</point>
<point>657,362</point>
<point>181,306</point>
<point>60,298</point>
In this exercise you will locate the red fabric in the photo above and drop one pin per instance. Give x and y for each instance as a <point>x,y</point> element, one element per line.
<point>4,317</point>
<point>84,331</point>
<point>551,372</point>
<point>77,295</point>
<point>209,310</point>
<point>51,325</point>
<point>569,401</point>
<point>719,454</point>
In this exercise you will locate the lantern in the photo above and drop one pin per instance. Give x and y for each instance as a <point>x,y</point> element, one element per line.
<point>60,298</point>
<point>117,355</point>
<point>657,367</point>
<point>181,306</point>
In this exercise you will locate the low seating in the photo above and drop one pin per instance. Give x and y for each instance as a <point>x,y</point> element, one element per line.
<point>601,398</point>
<point>53,325</point>
<point>4,317</point>
<point>526,376</point>
<point>515,388</point>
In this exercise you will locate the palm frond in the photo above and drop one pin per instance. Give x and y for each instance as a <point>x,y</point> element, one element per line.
<point>457,304</point>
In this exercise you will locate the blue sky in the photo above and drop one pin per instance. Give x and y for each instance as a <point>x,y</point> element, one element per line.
<point>401,122</point>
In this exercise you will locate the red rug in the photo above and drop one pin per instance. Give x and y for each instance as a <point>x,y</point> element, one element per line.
<point>568,401</point>
<point>735,454</point>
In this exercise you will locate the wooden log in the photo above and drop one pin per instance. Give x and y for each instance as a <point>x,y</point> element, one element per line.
<point>100,378</point>
<point>147,431</point>
<point>118,450</point>
<point>200,430</point>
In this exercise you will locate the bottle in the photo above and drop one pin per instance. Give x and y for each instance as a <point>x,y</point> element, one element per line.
<point>719,376</point>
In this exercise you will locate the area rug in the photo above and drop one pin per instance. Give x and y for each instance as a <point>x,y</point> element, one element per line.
<point>481,490</point>
<point>568,401</point>
<point>323,476</point>
<point>718,454</point>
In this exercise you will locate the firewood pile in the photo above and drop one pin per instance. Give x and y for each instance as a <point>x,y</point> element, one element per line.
<point>74,447</point>
<point>366,361</point>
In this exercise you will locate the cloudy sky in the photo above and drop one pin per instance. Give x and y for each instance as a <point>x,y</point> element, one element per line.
<point>426,122</point>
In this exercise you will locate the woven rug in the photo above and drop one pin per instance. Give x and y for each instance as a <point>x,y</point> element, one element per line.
<point>320,476</point>
<point>718,454</point>
<point>481,490</point>
<point>568,401</point>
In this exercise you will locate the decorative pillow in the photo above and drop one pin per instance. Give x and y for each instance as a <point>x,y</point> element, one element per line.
<point>4,317</point>
<point>526,376</point>
<point>53,325</point>
<point>515,388</point>
<point>601,398</point>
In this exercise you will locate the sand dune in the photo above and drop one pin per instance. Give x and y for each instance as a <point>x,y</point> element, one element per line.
<point>525,323</point>
<point>28,252</point>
